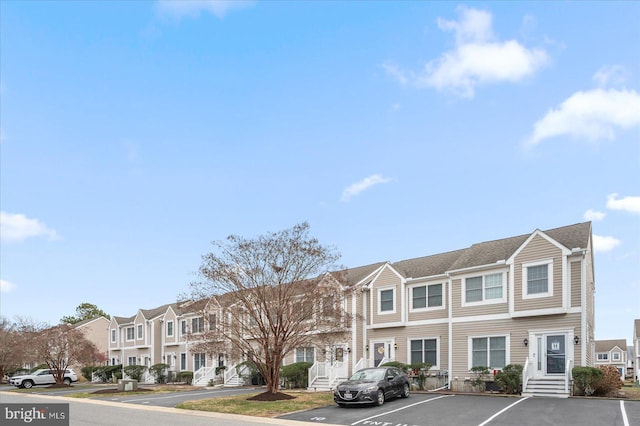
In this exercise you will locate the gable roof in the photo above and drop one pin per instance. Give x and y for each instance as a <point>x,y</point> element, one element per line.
<point>428,266</point>
<point>607,345</point>
<point>87,321</point>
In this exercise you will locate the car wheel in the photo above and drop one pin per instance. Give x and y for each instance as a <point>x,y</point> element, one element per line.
<point>405,391</point>
<point>380,398</point>
<point>66,381</point>
<point>27,384</point>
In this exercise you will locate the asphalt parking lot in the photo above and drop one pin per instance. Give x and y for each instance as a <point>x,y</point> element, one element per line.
<point>477,410</point>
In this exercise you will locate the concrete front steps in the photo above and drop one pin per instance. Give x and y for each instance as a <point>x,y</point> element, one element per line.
<point>548,387</point>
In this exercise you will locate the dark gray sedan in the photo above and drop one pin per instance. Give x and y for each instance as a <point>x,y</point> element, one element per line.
<point>372,386</point>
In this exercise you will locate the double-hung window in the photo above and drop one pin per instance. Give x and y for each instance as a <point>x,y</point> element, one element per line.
<point>488,352</point>
<point>616,356</point>
<point>426,296</point>
<point>386,301</point>
<point>484,288</point>
<point>132,360</point>
<point>603,356</point>
<point>140,331</point>
<point>305,355</point>
<point>130,334</point>
<point>113,336</point>
<point>424,351</point>
<point>197,325</point>
<point>169,328</point>
<point>537,279</point>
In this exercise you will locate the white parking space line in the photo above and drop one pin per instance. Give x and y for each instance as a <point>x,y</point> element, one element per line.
<point>503,410</point>
<point>624,414</point>
<point>400,409</point>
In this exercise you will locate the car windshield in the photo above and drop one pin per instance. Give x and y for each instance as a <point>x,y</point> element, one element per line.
<point>366,375</point>
<point>38,372</point>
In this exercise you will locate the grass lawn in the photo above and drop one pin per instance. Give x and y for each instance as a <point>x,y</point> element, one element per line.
<point>241,405</point>
<point>631,392</point>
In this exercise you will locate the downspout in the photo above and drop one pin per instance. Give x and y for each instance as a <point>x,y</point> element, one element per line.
<point>450,330</point>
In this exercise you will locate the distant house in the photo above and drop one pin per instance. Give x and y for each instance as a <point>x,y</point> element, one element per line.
<point>612,352</point>
<point>94,330</point>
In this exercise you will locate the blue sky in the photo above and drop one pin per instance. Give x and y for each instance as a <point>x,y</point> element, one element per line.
<point>135,133</point>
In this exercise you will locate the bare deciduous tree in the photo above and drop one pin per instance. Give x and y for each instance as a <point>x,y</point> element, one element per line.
<point>63,345</point>
<point>267,296</point>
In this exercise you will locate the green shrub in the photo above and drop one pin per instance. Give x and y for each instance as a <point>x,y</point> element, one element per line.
<point>397,364</point>
<point>87,372</point>
<point>185,376</point>
<point>135,371</point>
<point>510,378</point>
<point>159,372</point>
<point>480,372</point>
<point>610,381</point>
<point>587,379</point>
<point>220,369</point>
<point>109,372</point>
<point>296,375</point>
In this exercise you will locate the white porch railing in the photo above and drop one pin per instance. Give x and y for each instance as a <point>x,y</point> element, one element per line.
<point>526,374</point>
<point>203,375</point>
<point>147,378</point>
<point>568,376</point>
<point>233,374</point>
<point>359,365</point>
<point>337,371</point>
<point>230,373</point>
<point>317,370</point>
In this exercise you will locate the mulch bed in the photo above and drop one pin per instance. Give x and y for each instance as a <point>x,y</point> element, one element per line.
<point>271,396</point>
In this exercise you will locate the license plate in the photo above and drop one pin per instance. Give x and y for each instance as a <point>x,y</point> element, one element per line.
<point>347,395</point>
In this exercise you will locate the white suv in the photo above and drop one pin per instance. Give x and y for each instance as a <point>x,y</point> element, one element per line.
<point>42,377</point>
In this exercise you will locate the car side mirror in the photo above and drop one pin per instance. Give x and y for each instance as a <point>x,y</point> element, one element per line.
<point>389,378</point>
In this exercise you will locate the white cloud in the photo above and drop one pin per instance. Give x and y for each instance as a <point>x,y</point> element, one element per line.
<point>477,59</point>
<point>628,204</point>
<point>611,75</point>
<point>18,227</point>
<point>6,286</point>
<point>594,215</point>
<point>193,8</point>
<point>592,115</point>
<point>602,244</point>
<point>366,183</point>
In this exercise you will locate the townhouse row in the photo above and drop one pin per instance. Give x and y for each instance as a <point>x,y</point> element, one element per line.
<point>527,299</point>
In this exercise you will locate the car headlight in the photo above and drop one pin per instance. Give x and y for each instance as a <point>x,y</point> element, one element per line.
<point>371,389</point>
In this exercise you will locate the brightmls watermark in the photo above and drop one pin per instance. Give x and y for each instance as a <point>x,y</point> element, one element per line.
<point>35,414</point>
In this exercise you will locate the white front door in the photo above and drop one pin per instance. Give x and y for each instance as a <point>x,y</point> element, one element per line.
<point>549,352</point>
<point>381,350</point>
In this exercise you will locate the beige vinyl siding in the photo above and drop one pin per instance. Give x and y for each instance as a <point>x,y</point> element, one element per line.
<point>576,283</point>
<point>457,299</point>
<point>387,280</point>
<point>517,330</point>
<point>538,250</point>
<point>429,313</point>
<point>157,341</point>
<point>358,350</point>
